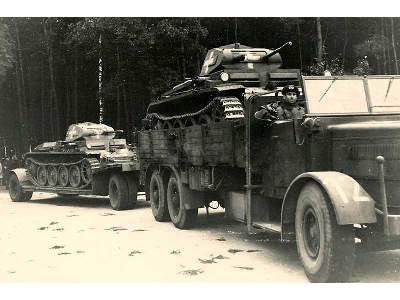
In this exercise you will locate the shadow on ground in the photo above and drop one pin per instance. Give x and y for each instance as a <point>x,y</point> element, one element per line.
<point>83,201</point>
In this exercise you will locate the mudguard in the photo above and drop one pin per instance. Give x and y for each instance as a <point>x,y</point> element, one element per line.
<point>21,175</point>
<point>351,203</point>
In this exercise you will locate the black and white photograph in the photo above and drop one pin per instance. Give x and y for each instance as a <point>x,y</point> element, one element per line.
<point>221,147</point>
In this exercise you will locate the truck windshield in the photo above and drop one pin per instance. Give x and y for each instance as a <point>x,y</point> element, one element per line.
<point>352,94</point>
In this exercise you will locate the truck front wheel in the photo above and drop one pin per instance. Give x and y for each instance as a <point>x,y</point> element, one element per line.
<point>118,190</point>
<point>15,190</point>
<point>158,197</point>
<point>326,249</point>
<point>181,217</point>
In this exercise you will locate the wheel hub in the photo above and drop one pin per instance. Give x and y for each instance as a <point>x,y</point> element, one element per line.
<point>311,233</point>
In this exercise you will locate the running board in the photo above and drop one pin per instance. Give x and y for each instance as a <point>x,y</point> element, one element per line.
<point>274,227</point>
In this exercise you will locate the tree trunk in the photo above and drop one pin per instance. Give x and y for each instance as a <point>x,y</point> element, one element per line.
<point>319,40</point>
<point>385,71</point>
<point>76,74</point>
<point>394,47</point>
<point>42,102</point>
<point>126,108</point>
<point>21,88</point>
<point>53,91</point>
<point>118,90</point>
<point>183,60</point>
<point>344,44</point>
<point>299,43</point>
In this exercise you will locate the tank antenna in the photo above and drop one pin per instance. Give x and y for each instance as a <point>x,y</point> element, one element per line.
<point>236,40</point>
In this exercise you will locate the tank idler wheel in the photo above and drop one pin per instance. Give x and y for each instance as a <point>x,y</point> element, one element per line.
<point>326,249</point>
<point>15,190</point>
<point>52,175</point>
<point>118,190</point>
<point>158,197</point>
<point>74,176</point>
<point>63,176</point>
<point>86,172</point>
<point>181,217</point>
<point>41,175</point>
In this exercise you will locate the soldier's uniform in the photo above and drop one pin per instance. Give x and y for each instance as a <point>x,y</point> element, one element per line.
<point>286,111</point>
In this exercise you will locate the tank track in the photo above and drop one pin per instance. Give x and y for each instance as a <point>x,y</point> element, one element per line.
<point>76,175</point>
<point>217,110</point>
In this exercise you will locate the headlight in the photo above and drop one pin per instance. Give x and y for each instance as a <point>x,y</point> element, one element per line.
<point>224,76</point>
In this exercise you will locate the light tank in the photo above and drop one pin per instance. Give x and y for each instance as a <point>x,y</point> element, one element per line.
<point>89,161</point>
<point>229,75</point>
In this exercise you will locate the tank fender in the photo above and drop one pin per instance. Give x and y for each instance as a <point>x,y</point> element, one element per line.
<point>192,199</point>
<point>351,203</point>
<point>21,174</point>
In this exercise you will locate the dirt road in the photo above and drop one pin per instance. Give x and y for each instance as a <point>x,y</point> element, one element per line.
<point>54,239</point>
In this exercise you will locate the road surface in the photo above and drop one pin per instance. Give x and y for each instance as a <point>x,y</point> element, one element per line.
<point>61,239</point>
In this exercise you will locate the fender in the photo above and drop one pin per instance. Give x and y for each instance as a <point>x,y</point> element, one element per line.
<point>351,203</point>
<point>21,175</point>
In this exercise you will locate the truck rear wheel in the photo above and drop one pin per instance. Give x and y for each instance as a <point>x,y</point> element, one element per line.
<point>132,190</point>
<point>181,217</point>
<point>15,190</point>
<point>326,249</point>
<point>158,197</point>
<point>118,190</point>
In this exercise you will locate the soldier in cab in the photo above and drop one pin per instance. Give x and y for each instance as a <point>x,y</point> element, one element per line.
<point>288,108</point>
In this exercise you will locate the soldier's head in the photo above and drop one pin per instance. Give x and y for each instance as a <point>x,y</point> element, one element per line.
<point>290,94</point>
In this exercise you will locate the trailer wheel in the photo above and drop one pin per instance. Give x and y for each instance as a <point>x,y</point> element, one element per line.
<point>326,249</point>
<point>181,217</point>
<point>132,190</point>
<point>15,190</point>
<point>158,197</point>
<point>119,192</point>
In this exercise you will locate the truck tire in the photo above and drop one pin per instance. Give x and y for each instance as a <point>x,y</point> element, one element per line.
<point>132,190</point>
<point>326,249</point>
<point>119,192</point>
<point>158,197</point>
<point>182,218</point>
<point>15,190</point>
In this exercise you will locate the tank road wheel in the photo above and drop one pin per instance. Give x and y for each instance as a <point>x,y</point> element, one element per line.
<point>63,176</point>
<point>86,172</point>
<point>178,124</point>
<point>15,190</point>
<point>74,176</point>
<point>325,248</point>
<point>190,122</point>
<point>52,175</point>
<point>181,217</point>
<point>167,125</point>
<point>118,190</point>
<point>41,175</point>
<point>205,119</point>
<point>158,197</point>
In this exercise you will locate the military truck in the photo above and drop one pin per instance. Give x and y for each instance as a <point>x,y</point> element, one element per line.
<point>90,161</point>
<point>328,182</point>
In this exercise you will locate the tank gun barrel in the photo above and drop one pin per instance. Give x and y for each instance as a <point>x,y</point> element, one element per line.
<point>278,49</point>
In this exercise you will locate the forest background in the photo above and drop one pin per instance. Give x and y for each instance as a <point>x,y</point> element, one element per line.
<point>59,71</point>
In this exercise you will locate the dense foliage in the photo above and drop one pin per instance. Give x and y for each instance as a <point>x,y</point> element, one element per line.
<point>49,67</point>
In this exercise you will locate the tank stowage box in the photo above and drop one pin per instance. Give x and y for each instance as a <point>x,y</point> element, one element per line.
<point>89,161</point>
